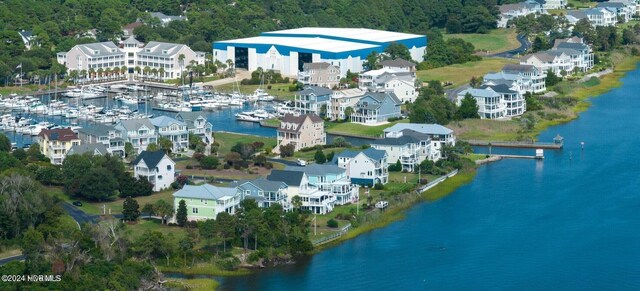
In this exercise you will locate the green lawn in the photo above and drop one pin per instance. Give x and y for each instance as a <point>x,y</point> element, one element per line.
<point>460,74</point>
<point>154,225</point>
<point>310,155</point>
<point>192,284</point>
<point>356,129</point>
<point>272,122</point>
<point>280,91</point>
<point>228,140</point>
<point>581,4</point>
<point>498,40</point>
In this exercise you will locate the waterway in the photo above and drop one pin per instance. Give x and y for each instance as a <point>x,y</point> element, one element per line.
<point>568,222</point>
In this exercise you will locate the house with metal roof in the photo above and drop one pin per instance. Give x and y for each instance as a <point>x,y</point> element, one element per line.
<point>139,132</point>
<point>330,178</point>
<point>376,107</point>
<point>496,101</point>
<point>264,191</point>
<point>97,149</point>
<point>92,57</point>
<point>407,146</point>
<point>288,50</point>
<point>320,74</point>
<point>104,134</point>
<point>311,100</point>
<point>206,201</point>
<point>624,10</point>
<point>556,61</point>
<point>367,167</point>
<point>156,167</point>
<point>301,131</point>
<point>514,10</point>
<point>598,16</point>
<point>313,199</point>
<point>172,129</point>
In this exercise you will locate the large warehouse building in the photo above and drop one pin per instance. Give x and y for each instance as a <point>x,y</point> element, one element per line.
<point>287,50</point>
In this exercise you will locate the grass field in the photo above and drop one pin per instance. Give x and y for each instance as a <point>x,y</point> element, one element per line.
<point>280,91</point>
<point>485,129</point>
<point>359,129</point>
<point>192,284</point>
<point>460,74</point>
<point>498,40</point>
<point>143,225</point>
<point>10,252</point>
<point>228,140</point>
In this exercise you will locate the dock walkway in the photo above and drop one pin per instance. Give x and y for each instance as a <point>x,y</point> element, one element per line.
<point>517,144</point>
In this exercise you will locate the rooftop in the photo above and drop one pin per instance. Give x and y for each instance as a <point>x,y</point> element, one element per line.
<point>317,169</point>
<point>315,90</point>
<point>164,121</point>
<point>59,134</point>
<point>205,191</point>
<point>397,63</point>
<point>96,148</point>
<point>291,178</point>
<point>151,159</point>
<point>419,127</point>
<point>369,152</point>
<point>408,137</point>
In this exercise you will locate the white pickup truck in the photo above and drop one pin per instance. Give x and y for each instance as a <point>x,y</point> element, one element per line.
<point>301,162</point>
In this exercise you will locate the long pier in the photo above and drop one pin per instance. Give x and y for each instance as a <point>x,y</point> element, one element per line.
<point>517,144</point>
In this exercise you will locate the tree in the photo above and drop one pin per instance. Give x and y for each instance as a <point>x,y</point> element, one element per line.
<point>148,209</point>
<point>260,160</point>
<point>163,209</point>
<point>130,151</point>
<point>476,82</point>
<point>225,227</point>
<point>551,79</point>
<point>181,62</point>
<point>5,143</point>
<point>209,162</point>
<point>330,156</point>
<point>468,107</point>
<point>287,150</point>
<point>152,147</point>
<point>296,201</point>
<point>165,144</point>
<point>397,50</point>
<point>372,61</point>
<point>98,184</point>
<point>130,209</point>
<point>181,215</point>
<point>348,112</point>
<point>320,157</point>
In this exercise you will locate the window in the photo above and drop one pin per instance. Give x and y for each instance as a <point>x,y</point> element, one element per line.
<point>168,167</point>
<point>194,210</point>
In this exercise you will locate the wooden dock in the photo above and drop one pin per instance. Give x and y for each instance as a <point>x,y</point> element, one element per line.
<point>517,144</point>
<point>519,157</point>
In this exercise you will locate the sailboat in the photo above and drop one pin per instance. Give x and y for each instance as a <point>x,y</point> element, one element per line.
<point>261,94</point>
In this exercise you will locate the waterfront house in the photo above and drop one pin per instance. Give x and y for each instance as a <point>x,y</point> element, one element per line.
<point>103,134</point>
<point>556,61</point>
<point>172,129</point>
<point>55,143</point>
<point>197,124</point>
<point>302,131</point>
<point>264,192</point>
<point>553,4</point>
<point>580,53</point>
<point>312,99</point>
<point>139,132</point>
<point>407,146</point>
<point>398,65</point>
<point>341,100</point>
<point>96,149</point>
<point>156,167</point>
<point>28,39</point>
<point>496,101</point>
<point>330,178</point>
<point>313,199</point>
<point>624,11</point>
<point>533,78</point>
<point>374,80</point>
<point>597,16</point>
<point>403,89</point>
<point>633,6</point>
<point>376,107</point>
<point>514,81</point>
<point>438,135</point>
<point>366,167</point>
<point>320,74</point>
<point>206,201</point>
<point>515,10</point>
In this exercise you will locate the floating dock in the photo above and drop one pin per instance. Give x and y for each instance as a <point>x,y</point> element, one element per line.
<point>517,144</point>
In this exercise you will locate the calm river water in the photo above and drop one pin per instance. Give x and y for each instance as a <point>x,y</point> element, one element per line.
<point>570,222</point>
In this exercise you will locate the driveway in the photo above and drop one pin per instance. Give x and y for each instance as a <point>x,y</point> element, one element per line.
<point>81,217</point>
<point>11,259</point>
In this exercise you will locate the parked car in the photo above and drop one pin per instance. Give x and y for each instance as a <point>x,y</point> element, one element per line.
<point>77,203</point>
<point>301,162</point>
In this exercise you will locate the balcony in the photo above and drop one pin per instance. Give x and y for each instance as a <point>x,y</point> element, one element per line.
<point>145,172</point>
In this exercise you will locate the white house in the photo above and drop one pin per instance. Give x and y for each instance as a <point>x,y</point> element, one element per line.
<point>404,90</point>
<point>407,146</point>
<point>596,16</point>
<point>553,4</point>
<point>139,132</point>
<point>172,129</point>
<point>156,167</point>
<point>312,197</point>
<point>438,136</point>
<point>28,38</point>
<point>330,178</point>
<point>512,80</point>
<point>624,11</point>
<point>206,201</point>
<point>533,77</point>
<point>374,80</point>
<point>633,6</point>
<point>197,124</point>
<point>398,65</point>
<point>367,167</point>
<point>496,102</point>
<point>580,53</point>
<point>554,60</point>
<point>511,11</point>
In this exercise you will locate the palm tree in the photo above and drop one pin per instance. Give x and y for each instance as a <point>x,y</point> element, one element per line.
<point>137,69</point>
<point>161,71</point>
<point>100,72</point>
<point>230,65</point>
<point>146,71</point>
<point>83,74</point>
<point>154,72</point>
<point>116,71</point>
<point>92,72</point>
<point>107,72</point>
<point>181,62</point>
<point>73,75</point>
<point>124,70</point>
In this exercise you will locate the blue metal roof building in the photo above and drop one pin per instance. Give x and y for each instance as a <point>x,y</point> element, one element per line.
<point>287,50</point>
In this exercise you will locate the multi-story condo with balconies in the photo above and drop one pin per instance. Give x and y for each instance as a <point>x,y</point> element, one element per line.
<point>55,143</point>
<point>156,167</point>
<point>496,101</point>
<point>139,132</point>
<point>341,100</point>
<point>301,131</point>
<point>172,129</point>
<point>312,99</point>
<point>103,134</point>
<point>94,60</point>
<point>167,60</point>
<point>320,74</point>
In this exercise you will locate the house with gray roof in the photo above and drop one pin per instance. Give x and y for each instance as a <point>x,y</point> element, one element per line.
<point>407,146</point>
<point>28,38</point>
<point>197,124</point>
<point>206,201</point>
<point>374,80</point>
<point>139,132</point>
<point>313,199</point>
<point>165,19</point>
<point>624,10</point>
<point>376,107</point>
<point>553,4</point>
<point>265,192</point>
<point>155,167</point>
<point>512,80</point>
<point>556,61</point>
<point>103,134</point>
<point>515,10</point>
<point>311,100</point>
<point>580,53</point>
<point>496,101</point>
<point>533,79</point>
<point>172,129</point>
<point>330,178</point>
<point>97,149</point>
<point>92,57</point>
<point>367,167</point>
<point>398,65</point>
<point>301,131</point>
<point>598,16</point>
<point>320,74</point>
<point>438,134</point>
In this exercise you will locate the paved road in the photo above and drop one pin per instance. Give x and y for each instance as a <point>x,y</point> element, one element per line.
<point>11,259</point>
<point>525,45</point>
<point>78,215</point>
<point>284,162</point>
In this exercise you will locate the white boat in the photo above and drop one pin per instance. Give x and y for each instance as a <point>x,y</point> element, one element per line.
<point>119,86</point>
<point>254,116</point>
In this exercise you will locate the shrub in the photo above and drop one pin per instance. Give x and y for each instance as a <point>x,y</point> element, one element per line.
<point>378,186</point>
<point>209,162</point>
<point>189,167</point>
<point>198,156</point>
<point>332,223</point>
